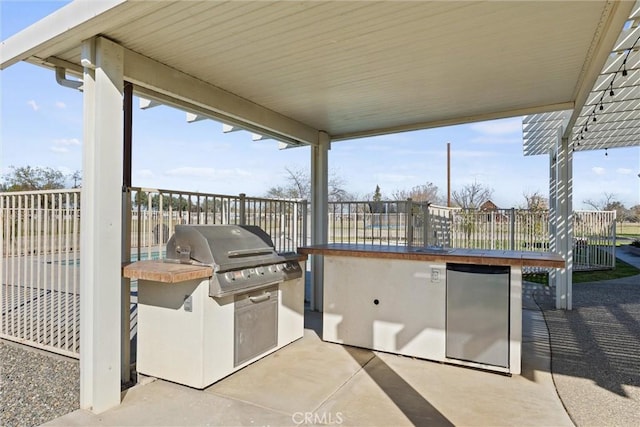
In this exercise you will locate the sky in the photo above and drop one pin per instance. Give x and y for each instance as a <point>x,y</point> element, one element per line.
<point>41,125</point>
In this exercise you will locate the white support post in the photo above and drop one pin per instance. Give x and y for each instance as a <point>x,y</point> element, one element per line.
<point>564,221</point>
<point>101,227</point>
<point>553,212</point>
<point>319,213</point>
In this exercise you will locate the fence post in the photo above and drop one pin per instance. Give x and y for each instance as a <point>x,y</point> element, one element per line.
<point>409,215</point>
<point>426,229</point>
<point>512,229</point>
<point>305,232</point>
<point>243,209</point>
<point>613,238</point>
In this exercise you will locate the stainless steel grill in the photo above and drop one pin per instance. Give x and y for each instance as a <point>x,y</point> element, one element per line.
<point>243,257</point>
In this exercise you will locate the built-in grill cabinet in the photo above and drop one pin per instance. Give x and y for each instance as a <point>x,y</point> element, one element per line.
<point>196,332</point>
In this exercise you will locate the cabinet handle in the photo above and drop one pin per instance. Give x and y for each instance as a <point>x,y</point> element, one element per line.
<point>260,298</point>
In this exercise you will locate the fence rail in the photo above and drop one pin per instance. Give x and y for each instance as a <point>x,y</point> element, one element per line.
<point>39,274</point>
<point>155,213</point>
<point>408,223</point>
<point>40,242</point>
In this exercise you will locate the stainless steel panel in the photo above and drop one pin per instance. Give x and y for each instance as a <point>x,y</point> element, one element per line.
<point>227,246</point>
<point>477,327</point>
<point>255,323</point>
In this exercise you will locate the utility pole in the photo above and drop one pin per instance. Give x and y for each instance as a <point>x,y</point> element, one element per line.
<point>448,174</point>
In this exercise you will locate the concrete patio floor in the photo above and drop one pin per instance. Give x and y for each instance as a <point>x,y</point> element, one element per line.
<point>313,382</point>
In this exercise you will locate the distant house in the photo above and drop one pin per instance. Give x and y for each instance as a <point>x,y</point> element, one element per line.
<point>488,206</point>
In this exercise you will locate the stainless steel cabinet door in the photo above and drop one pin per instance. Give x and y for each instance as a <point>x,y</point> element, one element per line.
<point>477,328</point>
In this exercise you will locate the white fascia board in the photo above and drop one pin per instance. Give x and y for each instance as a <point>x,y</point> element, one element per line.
<point>455,121</point>
<point>63,28</point>
<point>187,91</point>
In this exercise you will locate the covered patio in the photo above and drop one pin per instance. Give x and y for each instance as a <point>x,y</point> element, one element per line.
<point>313,74</point>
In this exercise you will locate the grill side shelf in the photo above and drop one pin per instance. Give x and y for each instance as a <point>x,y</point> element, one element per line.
<point>163,272</point>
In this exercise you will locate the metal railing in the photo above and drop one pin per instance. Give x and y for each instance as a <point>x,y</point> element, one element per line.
<point>39,274</point>
<point>40,242</point>
<point>408,223</point>
<point>155,213</point>
<point>594,234</point>
<point>40,250</point>
<point>389,223</point>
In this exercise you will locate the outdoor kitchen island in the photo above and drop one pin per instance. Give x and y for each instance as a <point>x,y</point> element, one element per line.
<point>460,306</point>
<point>222,299</point>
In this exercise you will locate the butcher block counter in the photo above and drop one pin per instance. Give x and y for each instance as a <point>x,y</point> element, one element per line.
<point>459,306</point>
<point>460,256</point>
<point>165,272</point>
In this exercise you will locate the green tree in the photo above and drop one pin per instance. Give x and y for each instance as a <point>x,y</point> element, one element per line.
<point>29,178</point>
<point>377,196</point>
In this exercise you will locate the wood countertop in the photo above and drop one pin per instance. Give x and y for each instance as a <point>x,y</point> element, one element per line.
<point>461,256</point>
<point>165,272</point>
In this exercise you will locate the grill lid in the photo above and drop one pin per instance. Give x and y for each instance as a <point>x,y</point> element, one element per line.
<point>225,247</point>
<point>243,257</point>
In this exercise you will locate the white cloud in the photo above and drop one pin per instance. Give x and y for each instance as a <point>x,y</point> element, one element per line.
<point>57,149</point>
<point>33,104</point>
<point>598,170</point>
<point>66,142</point>
<point>499,127</point>
<point>60,104</point>
<point>195,172</point>
<point>145,173</point>
<point>624,171</point>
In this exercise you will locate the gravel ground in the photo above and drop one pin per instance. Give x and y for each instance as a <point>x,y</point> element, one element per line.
<point>35,386</point>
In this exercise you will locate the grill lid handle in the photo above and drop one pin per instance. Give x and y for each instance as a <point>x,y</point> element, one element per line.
<point>249,252</point>
<point>184,253</point>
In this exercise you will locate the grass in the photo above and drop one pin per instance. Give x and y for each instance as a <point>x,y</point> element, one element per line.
<point>622,270</point>
<point>628,229</point>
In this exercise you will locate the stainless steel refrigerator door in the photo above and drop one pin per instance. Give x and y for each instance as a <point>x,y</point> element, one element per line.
<point>477,327</point>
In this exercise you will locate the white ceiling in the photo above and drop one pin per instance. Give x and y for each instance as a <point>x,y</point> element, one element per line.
<point>356,68</point>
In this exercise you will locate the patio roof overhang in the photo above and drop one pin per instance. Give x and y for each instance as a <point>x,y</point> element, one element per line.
<point>350,69</point>
<point>610,115</point>
<point>303,73</point>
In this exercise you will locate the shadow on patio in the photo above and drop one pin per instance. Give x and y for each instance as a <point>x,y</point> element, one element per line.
<point>595,351</point>
<point>314,382</point>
